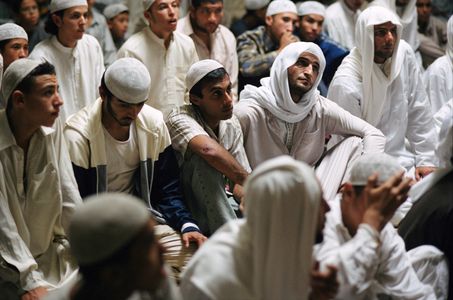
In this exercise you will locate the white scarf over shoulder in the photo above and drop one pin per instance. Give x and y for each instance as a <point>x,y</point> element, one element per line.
<point>450,39</point>
<point>268,255</point>
<point>360,63</point>
<point>274,94</point>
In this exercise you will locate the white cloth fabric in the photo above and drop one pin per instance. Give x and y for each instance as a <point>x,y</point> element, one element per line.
<point>397,104</point>
<point>339,23</point>
<point>167,67</point>
<point>369,263</point>
<point>274,93</point>
<point>79,70</point>
<point>444,126</point>
<point>38,194</point>
<point>147,4</point>
<point>12,31</point>
<point>450,39</point>
<point>57,5</point>
<point>281,6</point>
<point>199,70</point>
<point>245,258</point>
<point>408,18</point>
<point>438,79</point>
<point>222,49</point>
<point>311,7</point>
<point>15,73</point>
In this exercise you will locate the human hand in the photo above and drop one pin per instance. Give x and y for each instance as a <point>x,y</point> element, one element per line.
<point>193,236</point>
<point>421,172</point>
<point>384,200</point>
<point>286,39</point>
<point>324,285</point>
<point>34,294</point>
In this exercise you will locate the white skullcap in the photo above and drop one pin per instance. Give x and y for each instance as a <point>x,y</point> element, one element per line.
<point>103,224</point>
<point>199,70</point>
<point>128,80</point>
<point>14,74</point>
<point>57,5</point>
<point>311,7</point>
<point>366,165</point>
<point>255,4</point>
<point>147,4</point>
<point>12,31</point>
<point>113,10</point>
<point>281,6</point>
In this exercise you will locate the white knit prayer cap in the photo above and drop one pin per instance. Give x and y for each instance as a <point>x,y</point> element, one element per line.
<point>113,10</point>
<point>147,4</point>
<point>128,80</point>
<point>311,7</point>
<point>103,224</point>
<point>57,5</point>
<point>281,6</point>
<point>255,4</point>
<point>384,165</point>
<point>199,70</point>
<point>12,31</point>
<point>14,74</point>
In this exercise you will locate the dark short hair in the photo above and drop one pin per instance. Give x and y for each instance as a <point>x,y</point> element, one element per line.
<point>27,84</point>
<point>213,76</point>
<point>196,3</point>
<point>49,26</point>
<point>105,88</point>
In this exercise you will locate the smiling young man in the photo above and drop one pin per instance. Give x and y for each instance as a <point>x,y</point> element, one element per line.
<point>287,116</point>
<point>120,144</point>
<point>380,82</point>
<point>77,56</point>
<point>166,53</point>
<point>208,139</point>
<point>212,39</point>
<point>38,191</point>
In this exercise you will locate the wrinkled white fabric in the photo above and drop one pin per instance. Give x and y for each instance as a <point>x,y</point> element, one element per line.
<point>450,39</point>
<point>245,258</point>
<point>408,18</point>
<point>274,94</point>
<point>397,104</point>
<point>339,23</point>
<point>444,125</point>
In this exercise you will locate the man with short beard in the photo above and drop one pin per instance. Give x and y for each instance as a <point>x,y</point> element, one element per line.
<point>166,53</point>
<point>212,40</point>
<point>120,144</point>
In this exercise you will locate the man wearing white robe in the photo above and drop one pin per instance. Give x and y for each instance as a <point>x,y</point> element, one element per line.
<point>439,76</point>
<point>339,23</point>
<point>358,239</point>
<point>77,56</point>
<point>166,53</point>
<point>38,191</point>
<point>286,115</point>
<point>245,259</point>
<point>380,82</point>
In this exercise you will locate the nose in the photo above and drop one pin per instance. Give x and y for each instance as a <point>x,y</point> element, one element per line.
<point>308,70</point>
<point>171,10</point>
<point>83,20</point>
<point>23,53</point>
<point>58,101</point>
<point>228,101</point>
<point>211,17</point>
<point>135,110</point>
<point>290,27</point>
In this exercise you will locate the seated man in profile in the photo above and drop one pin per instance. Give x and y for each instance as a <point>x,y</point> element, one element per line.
<point>208,139</point>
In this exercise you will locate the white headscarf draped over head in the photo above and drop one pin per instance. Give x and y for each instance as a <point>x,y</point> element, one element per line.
<point>274,94</point>
<point>450,38</point>
<point>281,207</point>
<point>360,62</point>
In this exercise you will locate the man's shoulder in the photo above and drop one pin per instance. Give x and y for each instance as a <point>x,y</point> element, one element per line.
<point>225,31</point>
<point>88,41</point>
<point>151,118</point>
<point>135,41</point>
<point>184,112</point>
<point>333,9</point>
<point>183,40</point>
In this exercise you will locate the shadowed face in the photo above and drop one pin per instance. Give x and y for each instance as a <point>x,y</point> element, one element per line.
<point>302,75</point>
<point>385,38</point>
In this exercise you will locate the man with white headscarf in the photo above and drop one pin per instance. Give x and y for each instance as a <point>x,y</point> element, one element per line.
<point>166,53</point>
<point>341,17</point>
<point>407,16</point>
<point>246,259</point>
<point>77,56</point>
<point>120,144</point>
<point>439,76</point>
<point>359,240</point>
<point>380,82</point>
<point>38,191</point>
<point>286,115</point>
<point>208,140</point>
<point>258,48</point>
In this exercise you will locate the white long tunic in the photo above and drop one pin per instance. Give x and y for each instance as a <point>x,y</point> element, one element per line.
<point>370,263</point>
<point>439,82</point>
<point>339,23</point>
<point>167,67</point>
<point>38,194</point>
<point>79,70</point>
